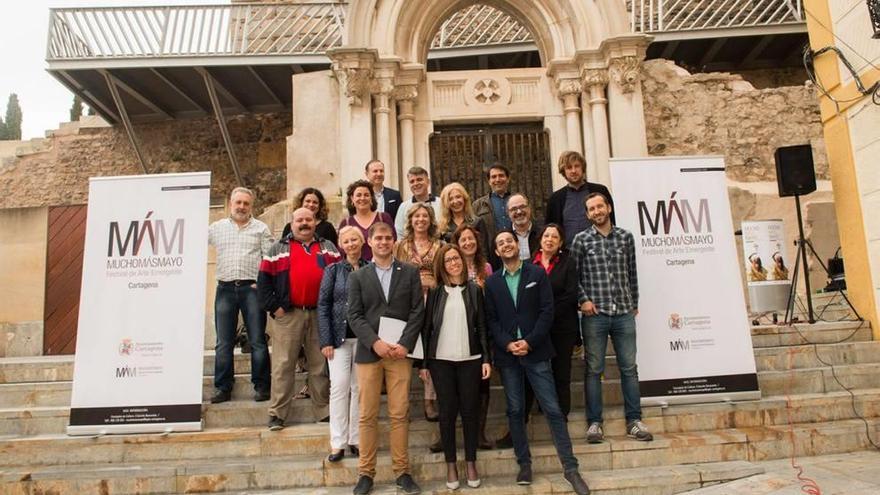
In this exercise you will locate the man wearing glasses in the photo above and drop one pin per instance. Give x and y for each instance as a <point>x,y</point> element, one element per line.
<point>527,231</point>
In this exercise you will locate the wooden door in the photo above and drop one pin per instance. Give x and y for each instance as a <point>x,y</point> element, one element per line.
<point>64,260</point>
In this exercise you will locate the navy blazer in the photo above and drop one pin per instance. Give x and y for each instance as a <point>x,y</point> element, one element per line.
<point>392,201</point>
<point>532,314</point>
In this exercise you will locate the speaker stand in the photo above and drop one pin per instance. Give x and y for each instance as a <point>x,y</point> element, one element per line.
<point>801,259</point>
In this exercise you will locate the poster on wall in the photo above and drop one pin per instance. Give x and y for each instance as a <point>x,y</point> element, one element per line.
<point>139,347</point>
<point>693,334</point>
<point>766,265</point>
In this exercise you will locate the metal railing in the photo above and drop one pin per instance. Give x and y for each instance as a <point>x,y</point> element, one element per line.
<point>205,30</point>
<point>657,16</point>
<point>313,28</point>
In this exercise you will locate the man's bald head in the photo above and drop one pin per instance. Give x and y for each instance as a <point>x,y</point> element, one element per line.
<point>303,224</point>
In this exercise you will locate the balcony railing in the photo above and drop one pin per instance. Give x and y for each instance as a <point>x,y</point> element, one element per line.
<point>313,28</point>
<point>663,16</point>
<point>177,31</point>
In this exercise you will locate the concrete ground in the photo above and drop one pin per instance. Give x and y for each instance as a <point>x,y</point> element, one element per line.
<point>857,473</point>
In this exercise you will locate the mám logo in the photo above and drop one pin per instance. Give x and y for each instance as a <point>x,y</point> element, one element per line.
<point>126,372</point>
<point>153,230</point>
<point>679,345</point>
<point>673,211</point>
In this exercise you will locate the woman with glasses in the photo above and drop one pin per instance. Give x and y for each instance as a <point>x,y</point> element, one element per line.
<point>456,356</point>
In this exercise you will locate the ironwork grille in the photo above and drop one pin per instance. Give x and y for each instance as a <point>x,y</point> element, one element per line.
<point>463,154</point>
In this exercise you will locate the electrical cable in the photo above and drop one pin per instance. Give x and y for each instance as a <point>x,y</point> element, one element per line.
<point>808,485</point>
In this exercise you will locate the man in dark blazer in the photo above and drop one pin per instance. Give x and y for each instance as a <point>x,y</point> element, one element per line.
<point>566,205</point>
<point>519,314</point>
<point>384,288</point>
<point>388,199</point>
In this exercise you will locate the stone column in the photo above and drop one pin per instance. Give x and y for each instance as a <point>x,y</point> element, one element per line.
<point>381,89</point>
<point>595,81</point>
<point>405,96</point>
<point>355,133</point>
<point>569,91</point>
<point>628,135</point>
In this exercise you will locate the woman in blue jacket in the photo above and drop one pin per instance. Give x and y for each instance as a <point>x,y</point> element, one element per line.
<point>338,344</point>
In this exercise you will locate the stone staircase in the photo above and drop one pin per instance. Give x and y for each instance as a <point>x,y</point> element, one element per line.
<point>695,445</point>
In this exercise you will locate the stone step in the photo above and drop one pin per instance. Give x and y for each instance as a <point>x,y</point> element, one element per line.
<point>655,480</point>
<point>313,439</point>
<point>227,471</point>
<point>800,380</point>
<point>60,368</point>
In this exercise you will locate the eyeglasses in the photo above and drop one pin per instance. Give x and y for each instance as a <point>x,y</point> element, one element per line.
<point>515,209</point>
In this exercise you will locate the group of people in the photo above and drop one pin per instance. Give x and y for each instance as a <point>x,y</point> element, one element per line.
<point>480,287</point>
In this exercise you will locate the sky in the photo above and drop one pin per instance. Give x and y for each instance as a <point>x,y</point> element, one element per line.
<point>24,27</point>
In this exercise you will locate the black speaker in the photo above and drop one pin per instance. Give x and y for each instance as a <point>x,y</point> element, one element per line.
<point>795,173</point>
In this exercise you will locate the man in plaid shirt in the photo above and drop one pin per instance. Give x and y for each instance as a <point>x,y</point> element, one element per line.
<point>609,300</point>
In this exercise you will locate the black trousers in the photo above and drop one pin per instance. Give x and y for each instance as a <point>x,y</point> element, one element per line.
<point>458,392</point>
<point>563,343</point>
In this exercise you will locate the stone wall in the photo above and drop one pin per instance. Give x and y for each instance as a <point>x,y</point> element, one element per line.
<point>55,170</point>
<point>720,113</point>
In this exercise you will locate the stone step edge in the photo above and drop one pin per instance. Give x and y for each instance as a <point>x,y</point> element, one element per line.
<point>300,376</point>
<point>685,475</point>
<point>577,412</point>
<point>709,437</point>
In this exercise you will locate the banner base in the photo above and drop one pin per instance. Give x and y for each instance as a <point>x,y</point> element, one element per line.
<point>100,430</point>
<point>701,398</point>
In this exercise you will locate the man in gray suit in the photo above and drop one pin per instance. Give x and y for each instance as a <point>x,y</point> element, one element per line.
<point>389,288</point>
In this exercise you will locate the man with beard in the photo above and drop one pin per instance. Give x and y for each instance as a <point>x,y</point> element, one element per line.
<point>492,208</point>
<point>241,241</point>
<point>292,301</point>
<point>566,205</point>
<point>519,314</point>
<point>527,231</point>
<point>605,256</point>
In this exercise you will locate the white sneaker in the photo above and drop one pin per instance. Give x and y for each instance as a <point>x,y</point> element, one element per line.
<point>595,433</point>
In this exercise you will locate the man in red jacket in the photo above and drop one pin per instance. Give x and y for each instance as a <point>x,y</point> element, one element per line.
<point>292,302</point>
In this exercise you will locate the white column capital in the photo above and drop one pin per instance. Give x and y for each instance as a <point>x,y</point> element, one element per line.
<point>626,72</point>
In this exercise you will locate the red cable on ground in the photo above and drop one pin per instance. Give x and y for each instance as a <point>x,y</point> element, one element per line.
<point>808,485</point>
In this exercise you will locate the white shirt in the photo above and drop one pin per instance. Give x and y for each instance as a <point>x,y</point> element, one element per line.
<point>453,343</point>
<point>239,249</point>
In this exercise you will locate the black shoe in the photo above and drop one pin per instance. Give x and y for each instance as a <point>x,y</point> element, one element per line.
<point>407,485</point>
<point>577,482</point>
<point>336,456</point>
<point>525,475</point>
<point>364,485</point>
<point>505,442</point>
<point>355,451</point>
<point>436,447</point>
<point>261,396</point>
<point>275,423</point>
<point>220,396</point>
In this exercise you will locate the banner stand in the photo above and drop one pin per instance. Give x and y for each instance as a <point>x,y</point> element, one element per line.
<point>692,330</point>
<point>139,357</point>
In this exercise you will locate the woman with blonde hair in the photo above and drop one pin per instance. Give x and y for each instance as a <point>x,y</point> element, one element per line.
<point>338,343</point>
<point>456,211</point>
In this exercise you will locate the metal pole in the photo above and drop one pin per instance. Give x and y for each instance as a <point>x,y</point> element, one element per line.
<point>114,92</point>
<point>803,253</point>
<point>218,112</point>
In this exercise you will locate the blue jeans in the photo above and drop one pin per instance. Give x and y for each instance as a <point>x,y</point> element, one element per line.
<point>540,377</point>
<point>229,300</point>
<point>622,330</point>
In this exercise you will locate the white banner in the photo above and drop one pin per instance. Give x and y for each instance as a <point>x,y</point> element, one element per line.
<point>139,346</point>
<point>693,335</point>
<point>766,265</point>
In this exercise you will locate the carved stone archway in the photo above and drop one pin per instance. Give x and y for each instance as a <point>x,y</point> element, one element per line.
<point>591,66</point>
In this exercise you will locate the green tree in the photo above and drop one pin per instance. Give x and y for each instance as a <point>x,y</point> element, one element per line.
<point>76,110</point>
<point>13,118</point>
<point>3,132</point>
